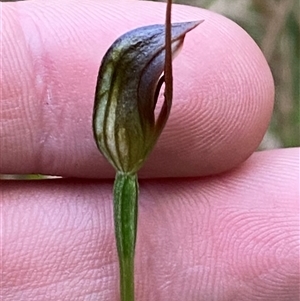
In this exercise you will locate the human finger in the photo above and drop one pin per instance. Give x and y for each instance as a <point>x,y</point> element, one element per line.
<point>232,236</point>
<point>223,92</point>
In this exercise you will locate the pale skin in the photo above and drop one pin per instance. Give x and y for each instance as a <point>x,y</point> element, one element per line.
<point>231,236</point>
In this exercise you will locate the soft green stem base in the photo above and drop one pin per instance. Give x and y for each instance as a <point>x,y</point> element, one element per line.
<point>125,218</point>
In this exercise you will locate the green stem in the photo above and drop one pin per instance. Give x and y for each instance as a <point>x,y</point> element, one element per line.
<point>125,218</point>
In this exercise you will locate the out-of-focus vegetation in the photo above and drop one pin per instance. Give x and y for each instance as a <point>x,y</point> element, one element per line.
<point>275,26</point>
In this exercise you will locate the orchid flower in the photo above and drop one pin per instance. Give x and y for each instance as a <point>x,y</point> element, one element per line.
<point>124,121</point>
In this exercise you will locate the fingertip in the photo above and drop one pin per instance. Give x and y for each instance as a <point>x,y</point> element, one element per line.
<point>223,92</point>
<point>223,101</point>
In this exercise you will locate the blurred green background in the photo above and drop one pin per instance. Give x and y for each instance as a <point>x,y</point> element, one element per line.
<point>275,26</point>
